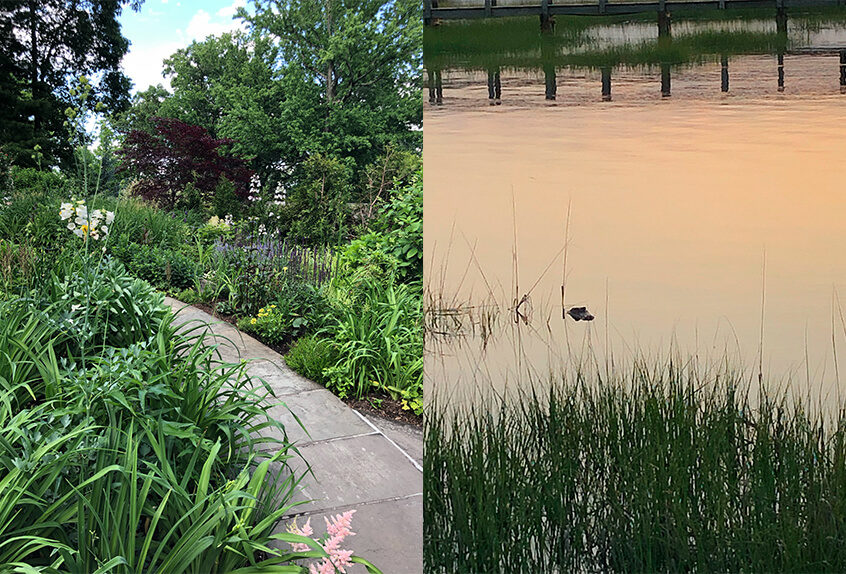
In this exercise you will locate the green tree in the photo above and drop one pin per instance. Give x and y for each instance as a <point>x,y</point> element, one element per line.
<point>351,69</point>
<point>45,43</point>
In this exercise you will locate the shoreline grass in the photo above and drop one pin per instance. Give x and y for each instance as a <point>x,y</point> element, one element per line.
<point>662,469</point>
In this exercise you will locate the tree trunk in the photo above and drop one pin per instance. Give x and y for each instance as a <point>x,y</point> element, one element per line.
<point>330,66</point>
<point>33,66</point>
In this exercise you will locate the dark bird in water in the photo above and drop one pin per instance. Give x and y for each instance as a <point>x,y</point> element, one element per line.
<point>580,314</point>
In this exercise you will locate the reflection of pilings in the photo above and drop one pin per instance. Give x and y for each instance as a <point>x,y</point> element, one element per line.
<point>724,74</point>
<point>436,88</point>
<point>781,20</point>
<point>664,24</point>
<point>439,88</point>
<point>665,80</point>
<point>427,13</point>
<point>494,87</point>
<point>431,83</point>
<point>548,64</point>
<point>547,20</point>
<point>606,84</point>
<point>550,80</point>
<point>842,71</point>
<point>780,71</point>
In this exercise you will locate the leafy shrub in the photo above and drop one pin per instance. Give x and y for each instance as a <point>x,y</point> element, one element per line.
<point>31,211</point>
<point>141,457</point>
<point>165,268</point>
<point>214,230</point>
<point>310,356</point>
<point>103,305</point>
<point>377,336</point>
<point>298,308</point>
<point>317,206</point>
<point>137,222</point>
<point>395,243</point>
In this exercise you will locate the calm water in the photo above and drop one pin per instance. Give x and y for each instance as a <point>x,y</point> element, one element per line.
<point>684,211</point>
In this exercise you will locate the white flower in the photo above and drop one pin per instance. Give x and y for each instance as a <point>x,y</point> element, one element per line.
<point>110,217</point>
<point>78,232</point>
<point>71,225</point>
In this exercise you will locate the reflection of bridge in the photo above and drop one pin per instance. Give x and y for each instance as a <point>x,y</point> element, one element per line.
<point>435,10</point>
<point>436,89</point>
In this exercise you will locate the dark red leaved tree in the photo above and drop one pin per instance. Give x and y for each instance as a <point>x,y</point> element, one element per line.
<point>179,154</point>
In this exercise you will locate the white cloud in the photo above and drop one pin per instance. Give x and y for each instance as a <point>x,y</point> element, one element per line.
<point>229,11</point>
<point>203,25</point>
<point>144,67</point>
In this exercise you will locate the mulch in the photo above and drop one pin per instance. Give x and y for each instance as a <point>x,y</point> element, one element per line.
<point>376,405</point>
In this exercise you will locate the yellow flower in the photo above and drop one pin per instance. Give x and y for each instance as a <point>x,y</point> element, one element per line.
<point>253,321</point>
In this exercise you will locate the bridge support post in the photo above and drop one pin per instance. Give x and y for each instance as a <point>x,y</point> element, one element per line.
<point>547,21</point>
<point>606,84</point>
<point>724,74</point>
<point>781,19</point>
<point>843,71</point>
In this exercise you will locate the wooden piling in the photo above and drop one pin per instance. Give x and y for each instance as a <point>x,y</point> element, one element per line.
<point>606,84</point>
<point>724,74</point>
<point>842,68</point>
<point>665,80</point>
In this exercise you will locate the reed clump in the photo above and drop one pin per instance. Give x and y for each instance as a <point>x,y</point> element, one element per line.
<point>662,469</point>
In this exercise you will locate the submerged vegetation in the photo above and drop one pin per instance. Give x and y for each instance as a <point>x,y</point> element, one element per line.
<point>666,468</point>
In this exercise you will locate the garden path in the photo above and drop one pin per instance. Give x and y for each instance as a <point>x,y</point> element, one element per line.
<point>368,464</point>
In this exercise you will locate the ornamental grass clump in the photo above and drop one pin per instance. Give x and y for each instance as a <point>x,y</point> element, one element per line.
<point>658,470</point>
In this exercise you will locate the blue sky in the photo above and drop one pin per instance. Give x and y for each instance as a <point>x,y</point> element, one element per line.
<point>164,26</point>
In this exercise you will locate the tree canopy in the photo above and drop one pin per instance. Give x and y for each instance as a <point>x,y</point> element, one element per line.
<point>44,44</point>
<point>179,156</point>
<point>338,78</point>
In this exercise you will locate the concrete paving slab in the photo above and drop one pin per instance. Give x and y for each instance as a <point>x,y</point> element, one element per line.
<point>323,415</point>
<point>352,471</point>
<point>357,463</point>
<point>407,437</point>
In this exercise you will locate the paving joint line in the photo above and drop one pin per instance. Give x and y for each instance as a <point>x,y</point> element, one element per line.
<point>343,507</point>
<point>323,441</point>
<point>390,440</point>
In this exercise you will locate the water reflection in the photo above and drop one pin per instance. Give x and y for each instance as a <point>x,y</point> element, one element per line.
<point>675,208</point>
<point>619,51</point>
